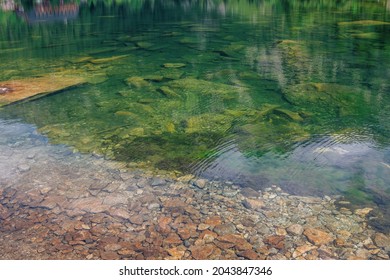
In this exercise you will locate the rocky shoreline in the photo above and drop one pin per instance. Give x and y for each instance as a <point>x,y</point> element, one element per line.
<point>58,205</point>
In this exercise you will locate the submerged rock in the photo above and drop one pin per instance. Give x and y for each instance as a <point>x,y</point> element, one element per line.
<point>137,82</point>
<point>107,59</point>
<point>23,89</point>
<point>174,65</point>
<point>168,92</point>
<point>197,86</point>
<point>144,45</point>
<point>363,23</point>
<point>208,122</point>
<point>331,98</point>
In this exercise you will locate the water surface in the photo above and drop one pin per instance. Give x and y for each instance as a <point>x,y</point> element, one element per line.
<point>256,92</point>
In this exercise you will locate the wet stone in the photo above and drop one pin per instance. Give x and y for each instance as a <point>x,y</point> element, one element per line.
<point>156,182</point>
<point>303,249</point>
<point>154,206</point>
<point>172,238</point>
<point>136,219</point>
<point>381,240</point>
<point>250,193</point>
<point>109,255</point>
<point>255,204</point>
<point>176,252</point>
<point>223,229</point>
<point>112,247</point>
<point>4,213</point>
<point>200,183</point>
<point>276,241</point>
<point>202,252</point>
<point>295,229</point>
<point>249,255</point>
<point>24,168</point>
<point>213,221</point>
<point>121,213</point>
<point>317,236</point>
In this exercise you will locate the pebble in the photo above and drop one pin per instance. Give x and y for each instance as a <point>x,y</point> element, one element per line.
<point>317,236</point>
<point>295,229</point>
<point>24,168</point>
<point>158,182</point>
<point>154,206</point>
<point>200,183</point>
<point>255,204</point>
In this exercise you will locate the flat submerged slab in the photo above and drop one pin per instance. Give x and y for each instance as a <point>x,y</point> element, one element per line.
<point>17,90</point>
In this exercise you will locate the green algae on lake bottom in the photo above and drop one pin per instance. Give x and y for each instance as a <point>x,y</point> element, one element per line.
<point>231,97</point>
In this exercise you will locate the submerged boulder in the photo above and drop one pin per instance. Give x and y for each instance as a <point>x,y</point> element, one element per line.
<point>17,90</point>
<point>206,123</point>
<point>257,138</point>
<point>332,98</point>
<point>197,86</point>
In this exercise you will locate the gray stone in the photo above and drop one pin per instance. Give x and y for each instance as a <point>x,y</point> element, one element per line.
<point>200,183</point>
<point>223,229</point>
<point>295,229</point>
<point>249,192</point>
<point>30,155</point>
<point>24,168</point>
<point>154,206</point>
<point>158,182</point>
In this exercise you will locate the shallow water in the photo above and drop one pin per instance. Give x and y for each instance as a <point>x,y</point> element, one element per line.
<point>254,92</point>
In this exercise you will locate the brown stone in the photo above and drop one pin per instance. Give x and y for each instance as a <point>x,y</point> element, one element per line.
<point>339,242</point>
<point>223,229</point>
<point>223,245</point>
<point>363,212</point>
<point>120,213</point>
<point>112,247</point>
<point>172,238</point>
<point>174,203</point>
<point>255,204</point>
<point>280,231</point>
<point>89,204</point>
<point>264,250</point>
<point>202,252</point>
<point>363,254</point>
<point>176,253</point>
<point>249,192</point>
<point>213,221</point>
<point>202,226</point>
<point>250,255</point>
<point>4,213</point>
<point>302,249</point>
<point>126,252</point>
<point>317,236</point>
<point>239,242</point>
<point>312,255</point>
<point>81,235</point>
<point>28,88</point>
<point>276,241</point>
<point>109,255</point>
<point>52,201</point>
<point>295,229</point>
<point>136,219</point>
<point>207,232</point>
<point>381,240</point>
<point>98,230</point>
<point>115,199</point>
<point>163,224</point>
<point>184,233</point>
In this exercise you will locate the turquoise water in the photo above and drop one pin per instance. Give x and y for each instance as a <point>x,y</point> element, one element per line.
<point>255,92</point>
